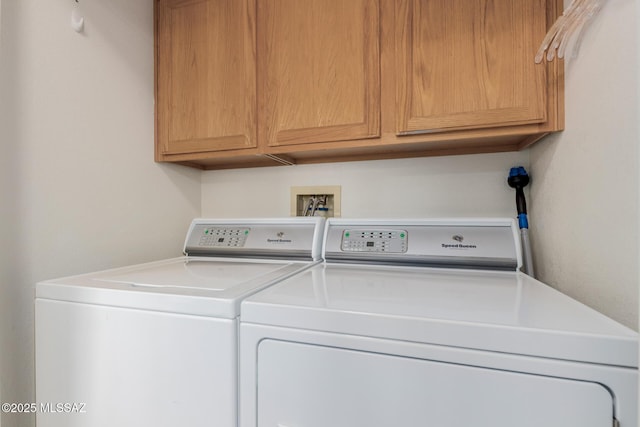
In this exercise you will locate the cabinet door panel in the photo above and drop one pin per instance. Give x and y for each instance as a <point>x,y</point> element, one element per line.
<point>468,64</point>
<point>206,75</point>
<point>319,72</point>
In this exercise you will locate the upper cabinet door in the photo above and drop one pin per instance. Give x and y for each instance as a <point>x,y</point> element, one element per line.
<point>318,70</point>
<point>205,62</point>
<point>468,64</point>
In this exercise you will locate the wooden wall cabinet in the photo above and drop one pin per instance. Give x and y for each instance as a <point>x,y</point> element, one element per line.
<point>245,83</point>
<point>454,70</point>
<point>205,62</point>
<point>319,71</point>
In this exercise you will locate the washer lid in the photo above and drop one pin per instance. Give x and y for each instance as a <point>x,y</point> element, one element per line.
<point>188,285</point>
<point>487,310</point>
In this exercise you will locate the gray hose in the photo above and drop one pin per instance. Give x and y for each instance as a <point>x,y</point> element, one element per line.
<point>527,258</point>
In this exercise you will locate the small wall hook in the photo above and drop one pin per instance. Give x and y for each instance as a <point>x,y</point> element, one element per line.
<point>77,21</point>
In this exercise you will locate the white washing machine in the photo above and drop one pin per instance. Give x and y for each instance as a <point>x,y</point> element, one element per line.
<point>157,344</point>
<point>430,323</point>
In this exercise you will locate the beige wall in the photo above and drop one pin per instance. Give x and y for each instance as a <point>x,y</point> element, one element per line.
<point>8,200</point>
<point>584,210</point>
<point>637,95</point>
<point>4,228</point>
<point>437,186</point>
<point>79,190</point>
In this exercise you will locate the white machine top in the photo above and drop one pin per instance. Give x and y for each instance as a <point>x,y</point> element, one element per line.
<point>488,309</point>
<point>226,261</point>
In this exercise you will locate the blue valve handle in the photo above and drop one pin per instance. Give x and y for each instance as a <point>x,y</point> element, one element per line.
<point>518,179</point>
<point>523,222</point>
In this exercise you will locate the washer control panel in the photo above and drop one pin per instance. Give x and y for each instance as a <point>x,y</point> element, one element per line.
<point>216,237</point>
<point>271,238</point>
<point>374,240</point>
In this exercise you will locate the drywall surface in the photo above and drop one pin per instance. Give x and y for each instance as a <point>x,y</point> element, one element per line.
<point>421,187</point>
<point>79,190</point>
<point>637,67</point>
<point>5,194</point>
<point>584,191</point>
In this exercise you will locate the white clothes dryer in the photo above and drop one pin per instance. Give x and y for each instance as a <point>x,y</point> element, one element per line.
<point>430,323</point>
<point>156,344</point>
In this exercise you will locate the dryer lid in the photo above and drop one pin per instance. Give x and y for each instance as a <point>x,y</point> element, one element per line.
<point>487,310</point>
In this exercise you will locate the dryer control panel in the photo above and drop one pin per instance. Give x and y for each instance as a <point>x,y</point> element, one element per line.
<point>374,240</point>
<point>489,243</point>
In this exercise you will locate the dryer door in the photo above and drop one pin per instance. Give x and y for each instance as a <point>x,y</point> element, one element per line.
<point>302,385</point>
